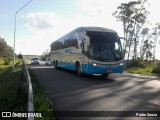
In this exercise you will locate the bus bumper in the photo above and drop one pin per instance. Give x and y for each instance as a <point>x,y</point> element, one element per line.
<point>102,69</point>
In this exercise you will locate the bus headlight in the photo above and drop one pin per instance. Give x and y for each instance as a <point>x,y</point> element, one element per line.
<point>121,64</point>
<point>94,64</point>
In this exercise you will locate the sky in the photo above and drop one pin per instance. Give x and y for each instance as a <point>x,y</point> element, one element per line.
<point>43,21</point>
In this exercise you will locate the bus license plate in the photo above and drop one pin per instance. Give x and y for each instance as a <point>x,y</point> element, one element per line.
<point>109,71</point>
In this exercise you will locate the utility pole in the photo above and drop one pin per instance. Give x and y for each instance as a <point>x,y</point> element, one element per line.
<point>15,32</point>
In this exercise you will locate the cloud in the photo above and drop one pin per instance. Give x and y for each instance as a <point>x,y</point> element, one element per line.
<point>99,13</point>
<point>46,27</point>
<point>98,7</point>
<point>92,7</point>
<point>43,29</point>
<point>41,20</point>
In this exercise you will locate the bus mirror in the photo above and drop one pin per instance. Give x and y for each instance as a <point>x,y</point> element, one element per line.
<point>76,46</point>
<point>82,46</point>
<point>125,43</point>
<point>124,52</point>
<point>83,40</point>
<point>87,48</point>
<point>88,40</point>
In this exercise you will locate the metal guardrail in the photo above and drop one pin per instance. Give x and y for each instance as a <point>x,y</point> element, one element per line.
<point>26,83</point>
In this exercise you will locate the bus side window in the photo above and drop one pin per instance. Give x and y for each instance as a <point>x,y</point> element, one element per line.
<point>84,43</point>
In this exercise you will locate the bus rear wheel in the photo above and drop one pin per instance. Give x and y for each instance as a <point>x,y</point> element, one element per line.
<point>78,69</point>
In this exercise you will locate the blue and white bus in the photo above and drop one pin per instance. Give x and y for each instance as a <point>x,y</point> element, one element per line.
<point>89,50</point>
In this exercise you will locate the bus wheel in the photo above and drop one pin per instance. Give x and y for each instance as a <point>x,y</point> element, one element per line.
<point>105,75</point>
<point>56,65</point>
<point>78,69</point>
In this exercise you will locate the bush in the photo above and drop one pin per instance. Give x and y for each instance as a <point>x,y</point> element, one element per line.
<point>7,60</point>
<point>43,57</point>
<point>137,64</point>
<point>156,69</point>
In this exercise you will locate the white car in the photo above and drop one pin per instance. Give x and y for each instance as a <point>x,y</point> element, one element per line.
<point>48,61</point>
<point>35,61</point>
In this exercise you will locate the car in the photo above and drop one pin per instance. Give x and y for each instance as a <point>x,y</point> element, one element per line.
<point>35,61</point>
<point>48,61</point>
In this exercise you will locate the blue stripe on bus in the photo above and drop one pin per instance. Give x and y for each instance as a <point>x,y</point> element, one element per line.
<point>90,69</point>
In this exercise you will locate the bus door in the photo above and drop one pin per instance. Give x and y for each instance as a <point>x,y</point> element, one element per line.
<point>84,44</point>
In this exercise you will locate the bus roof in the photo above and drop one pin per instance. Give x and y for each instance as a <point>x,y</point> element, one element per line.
<point>96,29</point>
<point>91,28</point>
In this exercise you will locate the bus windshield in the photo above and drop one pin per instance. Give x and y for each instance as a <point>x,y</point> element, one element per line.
<point>105,46</point>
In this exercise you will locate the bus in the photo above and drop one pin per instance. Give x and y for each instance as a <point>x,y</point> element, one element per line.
<point>89,50</point>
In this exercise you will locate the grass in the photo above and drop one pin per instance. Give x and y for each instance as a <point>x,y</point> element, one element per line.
<point>9,101</point>
<point>2,66</point>
<point>146,71</point>
<point>8,88</point>
<point>41,101</point>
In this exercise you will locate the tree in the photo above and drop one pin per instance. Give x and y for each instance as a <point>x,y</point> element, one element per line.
<point>145,36</point>
<point>155,34</point>
<point>45,54</point>
<point>147,48</point>
<point>133,16</point>
<point>5,49</point>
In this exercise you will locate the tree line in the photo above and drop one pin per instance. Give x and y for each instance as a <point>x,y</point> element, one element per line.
<point>5,49</point>
<point>141,34</point>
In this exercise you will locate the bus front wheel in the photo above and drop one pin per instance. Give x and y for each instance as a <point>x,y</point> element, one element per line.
<point>105,75</point>
<point>56,65</point>
<point>78,69</point>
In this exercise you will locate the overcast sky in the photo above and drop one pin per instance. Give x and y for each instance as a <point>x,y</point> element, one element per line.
<point>43,21</point>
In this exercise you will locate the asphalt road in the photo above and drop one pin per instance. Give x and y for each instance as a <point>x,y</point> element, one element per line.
<point>117,92</point>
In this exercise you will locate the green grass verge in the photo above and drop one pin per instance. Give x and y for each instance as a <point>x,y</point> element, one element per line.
<point>41,101</point>
<point>8,92</point>
<point>8,88</point>
<point>146,71</point>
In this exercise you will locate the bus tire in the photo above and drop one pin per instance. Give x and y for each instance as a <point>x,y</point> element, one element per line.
<point>78,69</point>
<point>105,75</point>
<point>56,65</point>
